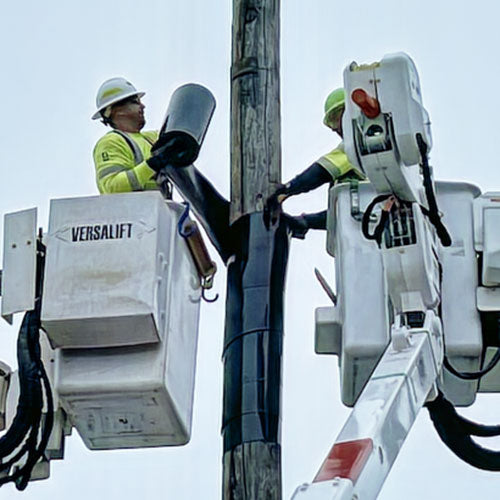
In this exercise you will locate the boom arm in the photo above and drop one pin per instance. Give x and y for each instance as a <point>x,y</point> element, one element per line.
<point>387,135</point>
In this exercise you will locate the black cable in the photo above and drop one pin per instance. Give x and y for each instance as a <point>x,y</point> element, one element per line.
<point>29,446</point>
<point>32,446</point>
<point>34,457</point>
<point>433,212</point>
<point>478,430</point>
<point>29,394</point>
<point>5,466</point>
<point>32,373</point>
<point>456,431</point>
<point>34,388</point>
<point>36,451</point>
<point>26,411</point>
<point>473,375</point>
<point>365,222</point>
<point>30,405</point>
<point>22,475</point>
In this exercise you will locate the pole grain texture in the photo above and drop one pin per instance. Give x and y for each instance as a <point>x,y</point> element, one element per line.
<point>255,105</point>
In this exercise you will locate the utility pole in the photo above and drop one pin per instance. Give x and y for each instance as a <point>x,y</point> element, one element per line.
<point>255,249</point>
<point>256,272</point>
<point>255,105</point>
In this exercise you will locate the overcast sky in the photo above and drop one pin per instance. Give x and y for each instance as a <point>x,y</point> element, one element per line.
<point>55,54</point>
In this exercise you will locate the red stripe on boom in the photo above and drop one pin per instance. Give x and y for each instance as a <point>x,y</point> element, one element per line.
<point>345,460</point>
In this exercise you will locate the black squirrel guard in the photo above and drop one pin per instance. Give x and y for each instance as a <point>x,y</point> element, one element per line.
<point>186,122</point>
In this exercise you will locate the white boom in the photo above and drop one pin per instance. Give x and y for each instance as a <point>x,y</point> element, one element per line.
<point>370,440</point>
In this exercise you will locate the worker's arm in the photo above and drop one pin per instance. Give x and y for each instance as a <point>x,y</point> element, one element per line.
<point>314,176</point>
<point>316,220</point>
<point>329,168</point>
<point>300,224</point>
<point>115,169</point>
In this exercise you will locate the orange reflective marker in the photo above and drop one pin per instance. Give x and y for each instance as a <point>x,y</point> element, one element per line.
<point>368,104</point>
<point>345,460</point>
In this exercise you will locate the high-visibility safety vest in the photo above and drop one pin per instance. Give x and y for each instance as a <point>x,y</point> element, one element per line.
<point>120,165</point>
<point>338,166</point>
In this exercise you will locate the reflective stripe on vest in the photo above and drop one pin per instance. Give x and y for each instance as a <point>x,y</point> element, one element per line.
<point>133,181</point>
<point>136,150</point>
<point>109,170</point>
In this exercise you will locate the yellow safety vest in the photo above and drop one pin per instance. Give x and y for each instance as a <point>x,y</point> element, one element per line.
<point>120,165</point>
<point>338,166</point>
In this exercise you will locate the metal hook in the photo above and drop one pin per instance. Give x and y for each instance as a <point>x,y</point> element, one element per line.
<point>186,232</point>
<point>205,298</point>
<point>206,284</point>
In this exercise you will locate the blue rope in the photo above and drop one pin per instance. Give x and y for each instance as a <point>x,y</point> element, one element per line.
<point>182,220</point>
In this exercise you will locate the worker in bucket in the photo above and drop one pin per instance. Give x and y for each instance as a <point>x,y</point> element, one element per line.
<point>331,168</point>
<point>130,159</point>
<point>122,157</point>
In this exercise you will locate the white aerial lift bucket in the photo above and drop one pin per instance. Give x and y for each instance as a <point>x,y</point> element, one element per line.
<point>113,266</point>
<point>121,306</point>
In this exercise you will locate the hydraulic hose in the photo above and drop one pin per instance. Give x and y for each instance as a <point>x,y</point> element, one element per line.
<point>365,223</point>
<point>36,453</point>
<point>473,375</point>
<point>30,398</point>
<point>433,212</point>
<point>24,437</point>
<point>456,432</point>
<point>26,425</point>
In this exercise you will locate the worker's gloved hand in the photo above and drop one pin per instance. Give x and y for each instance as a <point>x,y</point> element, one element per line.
<point>273,205</point>
<point>298,224</point>
<point>278,197</point>
<point>159,157</point>
<point>174,151</point>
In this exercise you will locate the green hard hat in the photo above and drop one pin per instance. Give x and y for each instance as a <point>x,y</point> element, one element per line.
<point>333,104</point>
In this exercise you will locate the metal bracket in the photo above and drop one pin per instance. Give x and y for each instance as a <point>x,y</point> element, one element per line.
<point>356,212</point>
<point>19,262</point>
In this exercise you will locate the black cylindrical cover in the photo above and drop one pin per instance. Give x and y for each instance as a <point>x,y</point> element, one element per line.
<point>188,116</point>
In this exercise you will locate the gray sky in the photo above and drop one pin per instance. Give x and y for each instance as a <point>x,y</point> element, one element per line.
<point>55,54</point>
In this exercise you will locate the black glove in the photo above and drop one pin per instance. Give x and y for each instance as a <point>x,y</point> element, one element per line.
<point>273,205</point>
<point>178,150</point>
<point>298,224</point>
<point>161,154</point>
<point>156,163</point>
<point>277,198</point>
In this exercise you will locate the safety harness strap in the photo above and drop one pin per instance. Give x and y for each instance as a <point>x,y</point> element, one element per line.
<point>136,150</point>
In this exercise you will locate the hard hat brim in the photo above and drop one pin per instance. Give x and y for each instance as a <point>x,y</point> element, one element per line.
<point>330,114</point>
<point>98,114</point>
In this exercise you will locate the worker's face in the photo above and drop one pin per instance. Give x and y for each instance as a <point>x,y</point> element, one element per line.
<point>131,110</point>
<point>337,123</point>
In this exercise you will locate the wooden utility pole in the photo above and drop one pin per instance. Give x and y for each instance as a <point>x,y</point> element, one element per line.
<point>255,249</point>
<point>255,105</point>
<point>256,272</point>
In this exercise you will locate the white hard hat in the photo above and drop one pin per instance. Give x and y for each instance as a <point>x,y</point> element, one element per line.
<point>111,92</point>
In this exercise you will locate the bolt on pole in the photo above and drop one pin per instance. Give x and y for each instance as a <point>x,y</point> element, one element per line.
<point>256,272</point>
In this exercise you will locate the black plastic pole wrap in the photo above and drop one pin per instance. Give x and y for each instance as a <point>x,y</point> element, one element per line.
<point>254,333</point>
